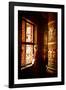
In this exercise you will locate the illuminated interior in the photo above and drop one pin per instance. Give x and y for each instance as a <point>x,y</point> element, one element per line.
<point>37,44</point>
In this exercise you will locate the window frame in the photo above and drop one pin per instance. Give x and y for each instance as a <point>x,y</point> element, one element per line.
<point>28,43</point>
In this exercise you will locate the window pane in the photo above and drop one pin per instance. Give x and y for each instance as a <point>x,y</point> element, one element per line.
<point>29,54</point>
<point>23,31</point>
<point>29,32</point>
<point>23,61</point>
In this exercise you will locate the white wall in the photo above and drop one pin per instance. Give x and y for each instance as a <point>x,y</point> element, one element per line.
<point>4,30</point>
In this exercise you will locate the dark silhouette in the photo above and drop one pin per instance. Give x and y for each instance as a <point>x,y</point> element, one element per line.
<point>39,67</point>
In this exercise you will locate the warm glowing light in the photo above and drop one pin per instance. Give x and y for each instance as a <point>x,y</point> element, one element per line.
<point>29,53</point>
<point>33,61</point>
<point>29,33</point>
<point>28,50</point>
<point>52,45</point>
